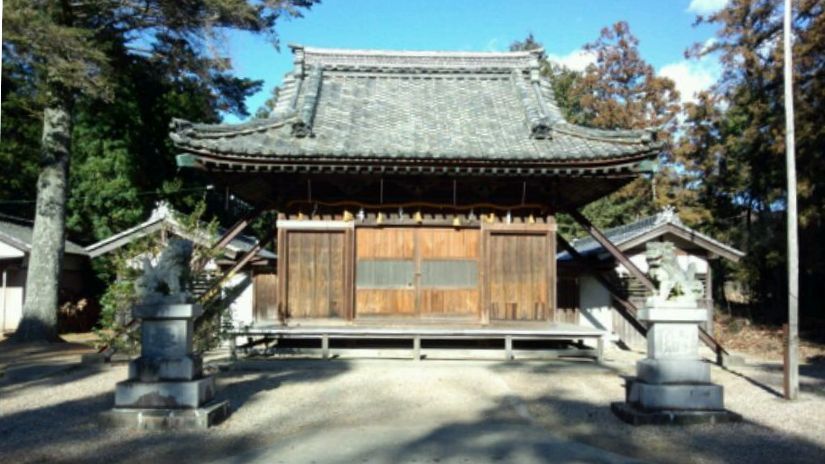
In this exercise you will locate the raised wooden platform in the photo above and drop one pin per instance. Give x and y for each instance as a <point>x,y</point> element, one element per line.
<point>415,333</point>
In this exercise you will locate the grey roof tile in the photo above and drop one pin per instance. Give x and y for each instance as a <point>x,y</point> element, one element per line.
<point>19,233</point>
<point>439,105</point>
<point>625,233</point>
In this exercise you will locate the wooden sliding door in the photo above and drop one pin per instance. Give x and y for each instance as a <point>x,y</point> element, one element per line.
<point>448,267</point>
<point>520,281</point>
<point>417,271</point>
<point>385,271</point>
<point>315,274</point>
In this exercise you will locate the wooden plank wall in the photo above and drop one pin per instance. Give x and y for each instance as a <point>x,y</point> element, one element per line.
<point>391,244</point>
<point>315,273</point>
<point>518,276</point>
<point>265,302</point>
<point>496,272</point>
<point>450,246</point>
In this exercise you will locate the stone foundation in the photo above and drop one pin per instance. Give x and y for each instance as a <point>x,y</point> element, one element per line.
<point>166,385</point>
<point>672,385</point>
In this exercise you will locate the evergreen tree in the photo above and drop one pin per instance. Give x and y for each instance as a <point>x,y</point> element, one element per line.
<point>622,91</point>
<point>619,91</point>
<point>72,51</point>
<point>742,139</point>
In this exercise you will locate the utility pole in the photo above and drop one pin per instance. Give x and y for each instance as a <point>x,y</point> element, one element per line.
<point>792,339</point>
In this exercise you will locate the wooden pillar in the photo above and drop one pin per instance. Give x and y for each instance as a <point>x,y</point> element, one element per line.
<point>417,348</point>
<point>600,349</point>
<point>325,346</point>
<point>709,296</point>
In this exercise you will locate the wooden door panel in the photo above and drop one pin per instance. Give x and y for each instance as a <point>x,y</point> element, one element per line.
<point>518,276</point>
<point>449,272</point>
<point>383,302</point>
<point>417,271</point>
<point>385,271</point>
<point>315,274</point>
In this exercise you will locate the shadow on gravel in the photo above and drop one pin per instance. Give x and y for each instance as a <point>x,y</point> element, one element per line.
<point>38,434</point>
<point>744,442</point>
<point>763,375</point>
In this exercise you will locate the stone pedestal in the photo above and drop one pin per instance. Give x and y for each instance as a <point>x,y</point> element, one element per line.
<point>166,383</point>
<point>672,384</point>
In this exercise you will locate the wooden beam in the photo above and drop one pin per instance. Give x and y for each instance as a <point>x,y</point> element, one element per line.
<point>627,309</point>
<point>611,248</point>
<point>216,286</point>
<point>237,228</point>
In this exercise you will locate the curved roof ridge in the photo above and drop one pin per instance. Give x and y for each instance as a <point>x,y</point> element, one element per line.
<point>187,128</point>
<point>413,53</point>
<point>645,136</point>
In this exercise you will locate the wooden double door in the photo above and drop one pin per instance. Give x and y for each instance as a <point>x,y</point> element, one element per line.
<point>425,272</point>
<point>493,273</point>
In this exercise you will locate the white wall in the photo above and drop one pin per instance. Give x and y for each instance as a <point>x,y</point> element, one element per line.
<point>595,304</point>
<point>242,306</point>
<point>7,251</point>
<point>11,299</point>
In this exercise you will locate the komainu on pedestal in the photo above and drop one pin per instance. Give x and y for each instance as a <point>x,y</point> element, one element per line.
<point>166,386</point>
<point>672,385</point>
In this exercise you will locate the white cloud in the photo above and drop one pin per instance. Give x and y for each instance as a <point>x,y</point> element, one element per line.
<point>704,7</point>
<point>576,60</point>
<point>692,76</point>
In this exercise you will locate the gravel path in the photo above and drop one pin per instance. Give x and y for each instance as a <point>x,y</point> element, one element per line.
<point>280,403</point>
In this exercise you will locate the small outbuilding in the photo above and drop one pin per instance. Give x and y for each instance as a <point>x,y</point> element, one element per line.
<point>15,248</point>
<point>249,291</point>
<point>595,304</point>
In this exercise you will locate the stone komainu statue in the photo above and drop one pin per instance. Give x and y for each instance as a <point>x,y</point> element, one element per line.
<point>675,284</point>
<point>168,280</point>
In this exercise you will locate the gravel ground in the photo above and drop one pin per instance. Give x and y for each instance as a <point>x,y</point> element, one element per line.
<point>53,419</point>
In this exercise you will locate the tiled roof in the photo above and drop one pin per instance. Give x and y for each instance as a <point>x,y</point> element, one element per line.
<point>342,104</point>
<point>18,233</point>
<point>163,215</point>
<point>624,234</point>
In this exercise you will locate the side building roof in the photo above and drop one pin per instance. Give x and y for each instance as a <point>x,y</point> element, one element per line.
<point>634,234</point>
<point>18,233</point>
<point>162,217</point>
<point>341,110</point>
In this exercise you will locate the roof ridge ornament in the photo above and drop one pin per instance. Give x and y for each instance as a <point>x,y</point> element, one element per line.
<point>303,126</point>
<point>668,214</point>
<point>540,126</point>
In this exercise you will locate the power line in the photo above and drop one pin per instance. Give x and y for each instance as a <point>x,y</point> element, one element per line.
<point>143,193</point>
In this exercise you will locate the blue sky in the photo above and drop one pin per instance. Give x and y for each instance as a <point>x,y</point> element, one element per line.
<point>664,28</point>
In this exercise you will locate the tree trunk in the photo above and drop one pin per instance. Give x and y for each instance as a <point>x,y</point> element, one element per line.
<point>39,323</point>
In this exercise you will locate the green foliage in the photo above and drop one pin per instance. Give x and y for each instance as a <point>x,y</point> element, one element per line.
<point>130,69</point>
<point>733,147</point>
<point>619,91</point>
<point>126,265</point>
